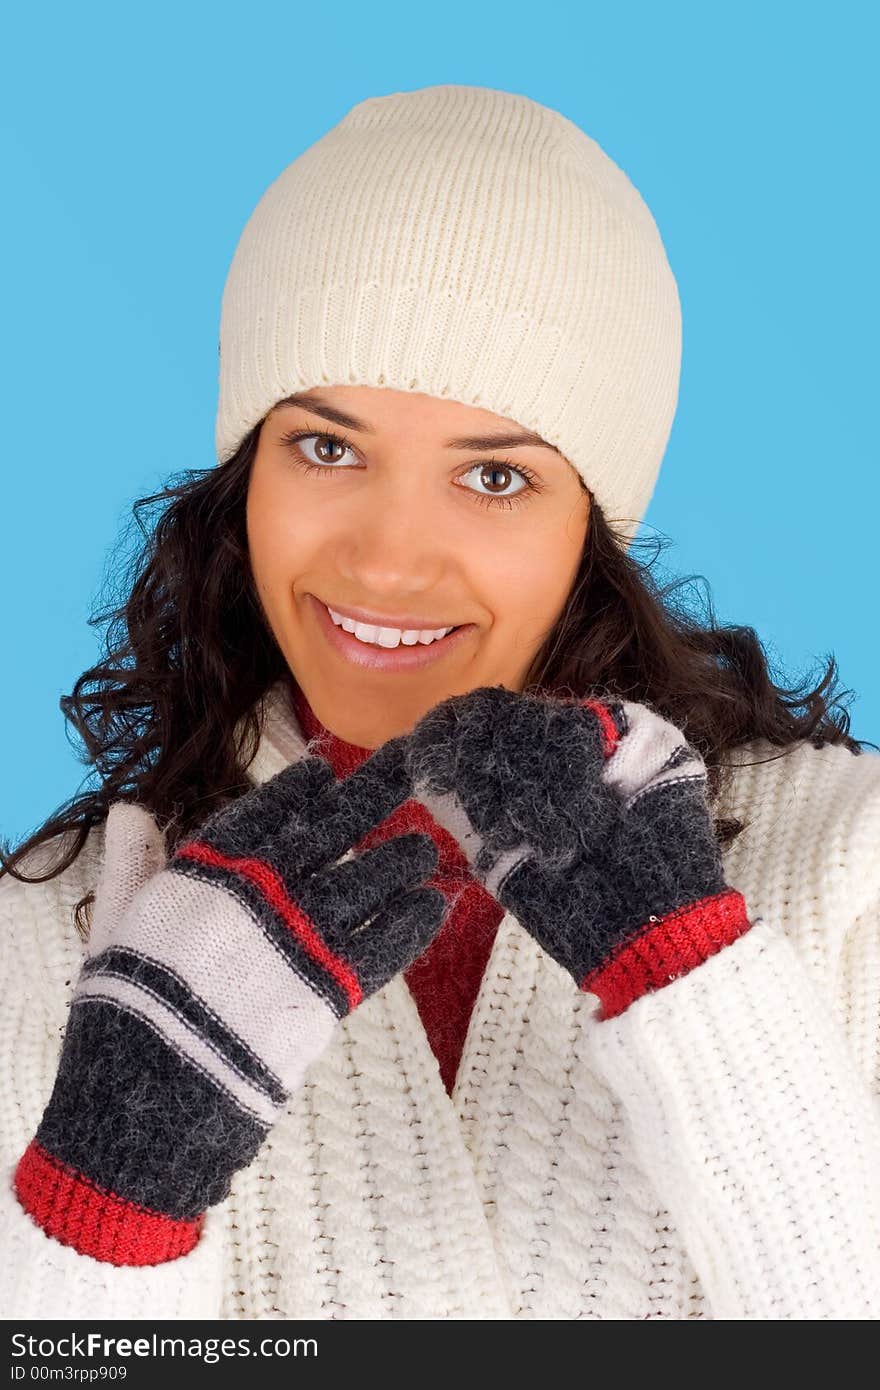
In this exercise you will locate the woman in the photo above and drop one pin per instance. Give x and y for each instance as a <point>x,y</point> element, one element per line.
<point>421,980</point>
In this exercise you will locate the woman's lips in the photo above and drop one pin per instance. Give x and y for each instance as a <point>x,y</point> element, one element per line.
<point>376,658</point>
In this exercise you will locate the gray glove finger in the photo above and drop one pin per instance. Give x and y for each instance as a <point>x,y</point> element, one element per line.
<point>345,812</point>
<point>669,833</point>
<point>520,768</point>
<point>396,937</point>
<point>289,799</point>
<point>347,895</point>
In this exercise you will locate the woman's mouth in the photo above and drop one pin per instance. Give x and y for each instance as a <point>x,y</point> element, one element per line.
<point>406,656</point>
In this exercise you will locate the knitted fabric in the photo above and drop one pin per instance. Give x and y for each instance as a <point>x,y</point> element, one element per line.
<point>444,979</point>
<point>198,1012</point>
<point>472,244</point>
<point>710,1153</point>
<point>589,820</point>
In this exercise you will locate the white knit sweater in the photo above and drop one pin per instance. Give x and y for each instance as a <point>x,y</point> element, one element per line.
<point>712,1152</point>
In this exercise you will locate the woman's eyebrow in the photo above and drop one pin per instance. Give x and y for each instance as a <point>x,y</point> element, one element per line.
<point>507,440</point>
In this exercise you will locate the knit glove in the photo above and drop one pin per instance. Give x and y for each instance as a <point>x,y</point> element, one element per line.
<point>199,1009</point>
<point>588,819</point>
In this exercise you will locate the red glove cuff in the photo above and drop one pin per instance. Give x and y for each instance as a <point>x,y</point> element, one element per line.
<point>670,948</point>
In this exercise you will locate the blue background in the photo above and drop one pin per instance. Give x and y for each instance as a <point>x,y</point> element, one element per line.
<point>137,142</point>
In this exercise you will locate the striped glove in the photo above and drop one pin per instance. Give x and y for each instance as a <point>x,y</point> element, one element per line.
<point>200,1007</point>
<point>588,820</point>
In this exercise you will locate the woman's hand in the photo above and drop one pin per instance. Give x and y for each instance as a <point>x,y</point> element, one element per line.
<point>588,819</point>
<point>207,993</point>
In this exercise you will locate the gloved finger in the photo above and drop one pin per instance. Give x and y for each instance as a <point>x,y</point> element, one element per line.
<point>651,751</point>
<point>134,850</point>
<point>462,757</point>
<point>396,937</point>
<point>506,769</point>
<point>345,896</point>
<point>668,831</point>
<point>454,740</point>
<point>346,811</point>
<point>255,819</point>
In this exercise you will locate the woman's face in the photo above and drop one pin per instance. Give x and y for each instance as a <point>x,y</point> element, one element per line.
<point>417,514</point>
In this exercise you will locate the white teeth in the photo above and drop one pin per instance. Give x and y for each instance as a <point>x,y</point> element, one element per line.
<point>386,636</point>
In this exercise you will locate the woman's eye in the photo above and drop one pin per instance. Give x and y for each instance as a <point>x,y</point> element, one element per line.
<point>327,449</point>
<point>322,454</point>
<point>494,476</point>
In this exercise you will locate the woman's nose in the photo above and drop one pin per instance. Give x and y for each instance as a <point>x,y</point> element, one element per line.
<point>394,541</point>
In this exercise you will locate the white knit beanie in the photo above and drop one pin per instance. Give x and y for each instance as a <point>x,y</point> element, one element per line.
<point>472,244</point>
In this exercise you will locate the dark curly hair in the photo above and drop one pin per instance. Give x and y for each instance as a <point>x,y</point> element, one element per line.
<point>172,714</point>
